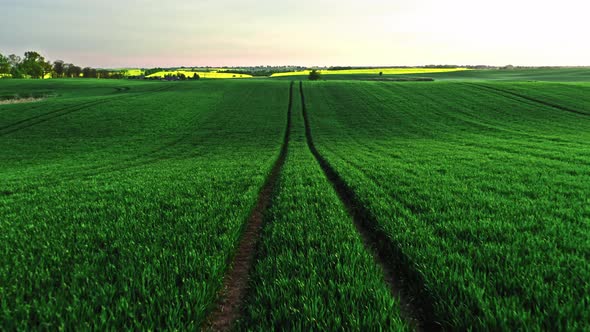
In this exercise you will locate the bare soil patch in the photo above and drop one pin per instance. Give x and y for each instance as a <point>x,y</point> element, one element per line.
<point>20,100</point>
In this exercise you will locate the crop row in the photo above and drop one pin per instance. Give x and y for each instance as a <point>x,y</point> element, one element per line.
<point>124,214</point>
<point>313,271</point>
<point>486,197</point>
<point>122,205</point>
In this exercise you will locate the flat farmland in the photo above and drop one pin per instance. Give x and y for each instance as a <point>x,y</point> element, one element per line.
<point>266,204</point>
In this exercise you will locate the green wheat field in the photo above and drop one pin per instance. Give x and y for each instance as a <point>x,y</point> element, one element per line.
<point>123,202</point>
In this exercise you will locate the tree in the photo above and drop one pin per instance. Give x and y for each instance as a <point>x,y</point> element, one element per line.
<point>68,69</point>
<point>33,56</point>
<point>314,75</point>
<point>31,64</point>
<point>47,68</point>
<point>88,72</point>
<point>16,72</point>
<point>14,61</point>
<point>35,65</point>
<point>72,70</point>
<point>33,69</point>
<point>94,73</point>
<point>196,76</point>
<point>102,73</point>
<point>4,65</point>
<point>152,71</point>
<point>58,67</point>
<point>76,71</point>
<point>117,74</point>
<point>380,73</point>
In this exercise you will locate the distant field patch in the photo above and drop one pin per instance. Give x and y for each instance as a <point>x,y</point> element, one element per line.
<point>376,71</point>
<point>202,74</point>
<point>134,72</point>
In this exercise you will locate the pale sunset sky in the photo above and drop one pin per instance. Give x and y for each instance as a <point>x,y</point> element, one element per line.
<point>149,33</point>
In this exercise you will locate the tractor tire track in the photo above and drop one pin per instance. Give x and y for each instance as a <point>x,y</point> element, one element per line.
<point>140,160</point>
<point>65,108</point>
<point>143,159</point>
<point>405,283</point>
<point>229,305</point>
<point>48,116</point>
<point>58,115</point>
<point>531,99</point>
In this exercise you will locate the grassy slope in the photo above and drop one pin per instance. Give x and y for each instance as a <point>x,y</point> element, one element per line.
<point>72,87</point>
<point>486,195</point>
<point>554,75</point>
<point>123,214</point>
<point>573,97</point>
<point>313,272</point>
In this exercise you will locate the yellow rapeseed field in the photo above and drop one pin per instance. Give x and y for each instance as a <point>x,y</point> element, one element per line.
<point>134,72</point>
<point>385,71</point>
<point>210,74</point>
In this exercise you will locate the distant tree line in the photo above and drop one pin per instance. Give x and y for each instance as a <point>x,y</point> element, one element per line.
<point>153,71</point>
<point>176,77</point>
<point>257,72</point>
<point>34,65</point>
<point>427,66</point>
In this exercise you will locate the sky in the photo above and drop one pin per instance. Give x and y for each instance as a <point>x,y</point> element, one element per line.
<point>150,33</point>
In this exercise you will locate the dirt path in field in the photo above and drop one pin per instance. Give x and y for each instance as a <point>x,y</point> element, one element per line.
<point>521,96</point>
<point>235,283</point>
<point>405,284</point>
